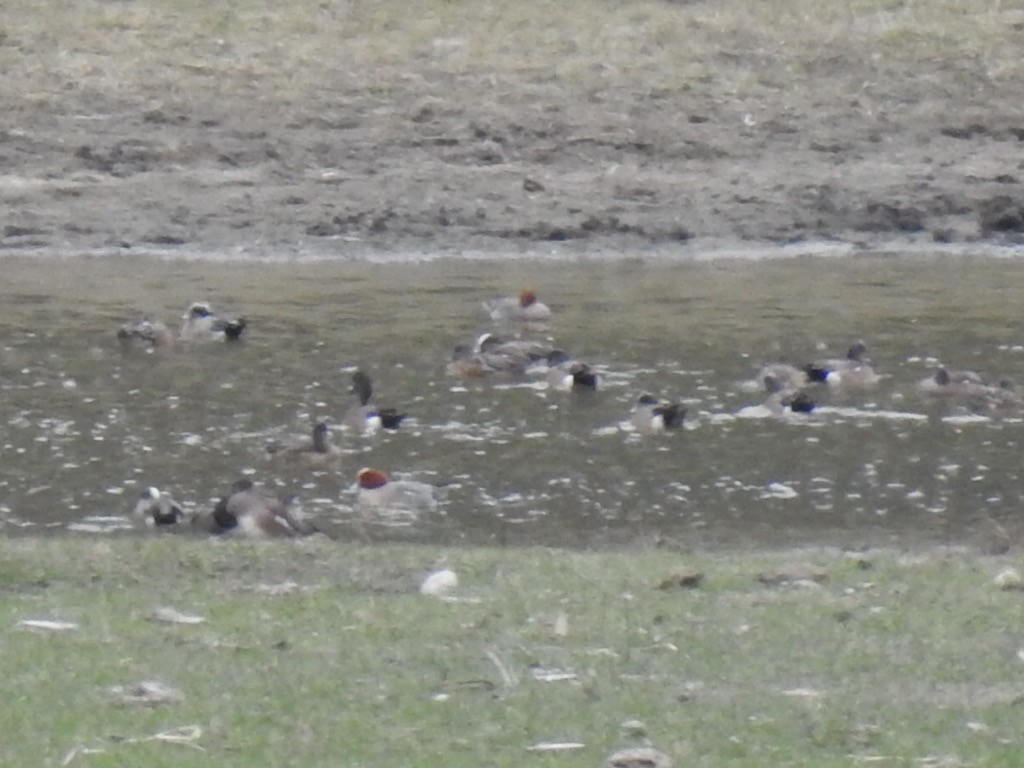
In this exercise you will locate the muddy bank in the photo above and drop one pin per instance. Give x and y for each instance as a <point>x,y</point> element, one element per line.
<point>95,173</point>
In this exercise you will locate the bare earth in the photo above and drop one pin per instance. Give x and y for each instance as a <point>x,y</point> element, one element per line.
<point>340,170</point>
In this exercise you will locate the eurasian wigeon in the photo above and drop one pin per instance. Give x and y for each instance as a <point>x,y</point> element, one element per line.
<point>200,323</point>
<point>568,375</point>
<point>969,389</point>
<point>491,354</point>
<point>524,307</point>
<point>157,509</point>
<point>851,372</point>
<point>377,490</point>
<point>366,417</point>
<point>651,415</point>
<point>315,452</point>
<point>782,397</point>
<point>145,333</point>
<point>788,376</point>
<point>248,512</point>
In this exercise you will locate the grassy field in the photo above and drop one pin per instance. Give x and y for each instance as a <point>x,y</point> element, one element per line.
<point>324,654</point>
<point>501,52</point>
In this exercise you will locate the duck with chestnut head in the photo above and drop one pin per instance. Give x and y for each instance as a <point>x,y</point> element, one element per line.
<point>525,307</point>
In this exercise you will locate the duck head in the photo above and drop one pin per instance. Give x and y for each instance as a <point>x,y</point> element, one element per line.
<point>362,385</point>
<point>582,376</point>
<point>857,351</point>
<point>370,478</point>
<point>198,309</point>
<point>527,297</point>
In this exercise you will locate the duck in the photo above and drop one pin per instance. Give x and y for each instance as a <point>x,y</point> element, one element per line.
<point>788,376</point>
<point>157,509</point>
<point>568,375</point>
<point>969,388</point>
<point>465,363</point>
<point>201,324</point>
<point>492,354</point>
<point>651,415</point>
<point>378,491</point>
<point>145,333</point>
<point>851,372</point>
<point>316,453</point>
<point>365,417</point>
<point>782,397</point>
<point>524,307</point>
<point>248,512</point>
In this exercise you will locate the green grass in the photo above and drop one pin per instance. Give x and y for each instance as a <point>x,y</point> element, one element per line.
<point>907,658</point>
<point>480,50</point>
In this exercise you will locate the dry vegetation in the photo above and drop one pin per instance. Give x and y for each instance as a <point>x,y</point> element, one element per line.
<point>281,53</point>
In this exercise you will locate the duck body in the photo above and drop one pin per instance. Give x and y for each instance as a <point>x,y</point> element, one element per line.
<point>851,372</point>
<point>788,377</point>
<point>145,333</point>
<point>493,355</point>
<point>524,307</point>
<point>652,416</point>
<point>572,376</point>
<point>365,417</point>
<point>378,491</point>
<point>200,324</point>
<point>316,452</point>
<point>157,509</point>
<point>969,389</point>
<point>249,513</point>
<point>783,397</point>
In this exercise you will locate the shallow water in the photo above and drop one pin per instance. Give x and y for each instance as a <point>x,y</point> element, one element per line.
<point>86,426</point>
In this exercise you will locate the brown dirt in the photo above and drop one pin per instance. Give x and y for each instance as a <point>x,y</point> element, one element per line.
<point>338,171</point>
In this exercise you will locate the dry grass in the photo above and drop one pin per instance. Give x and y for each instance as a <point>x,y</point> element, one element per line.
<point>282,53</point>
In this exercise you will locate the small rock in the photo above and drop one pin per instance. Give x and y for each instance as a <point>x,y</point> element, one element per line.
<point>639,757</point>
<point>439,583</point>
<point>1009,579</point>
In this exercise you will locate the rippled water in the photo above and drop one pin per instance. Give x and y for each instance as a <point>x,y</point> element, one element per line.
<point>86,426</point>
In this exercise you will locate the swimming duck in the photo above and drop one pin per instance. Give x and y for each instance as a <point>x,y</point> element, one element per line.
<point>464,363</point>
<point>651,415</point>
<point>367,418</point>
<point>201,324</point>
<point>377,490</point>
<point>782,397</point>
<point>157,509</point>
<point>787,376</point>
<point>145,333</point>
<point>524,307</point>
<point>851,372</point>
<point>315,453</point>
<point>246,511</point>
<point>568,375</point>
<point>968,388</point>
<point>491,354</point>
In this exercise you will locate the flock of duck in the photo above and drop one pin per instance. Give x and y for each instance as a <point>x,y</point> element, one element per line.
<point>245,510</point>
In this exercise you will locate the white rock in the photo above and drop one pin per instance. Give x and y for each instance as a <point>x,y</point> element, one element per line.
<point>1009,578</point>
<point>439,583</point>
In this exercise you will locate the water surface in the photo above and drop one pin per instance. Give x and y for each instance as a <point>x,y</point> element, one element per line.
<point>86,426</point>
